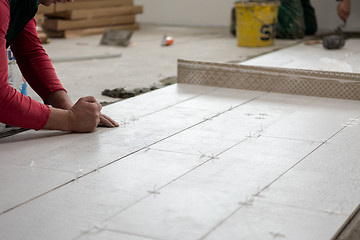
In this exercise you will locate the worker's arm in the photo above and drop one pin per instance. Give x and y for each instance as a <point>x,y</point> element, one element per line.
<point>343,9</point>
<point>34,63</point>
<point>15,108</point>
<point>39,72</point>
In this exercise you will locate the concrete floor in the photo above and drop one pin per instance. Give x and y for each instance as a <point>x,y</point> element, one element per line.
<point>144,62</point>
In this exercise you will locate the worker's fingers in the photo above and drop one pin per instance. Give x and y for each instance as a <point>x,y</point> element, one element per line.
<point>343,10</point>
<point>107,121</point>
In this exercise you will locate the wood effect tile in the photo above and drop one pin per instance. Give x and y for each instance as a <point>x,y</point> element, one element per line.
<point>317,121</point>
<point>192,205</point>
<point>327,180</point>
<point>236,124</point>
<point>270,221</point>
<point>87,202</point>
<point>19,184</point>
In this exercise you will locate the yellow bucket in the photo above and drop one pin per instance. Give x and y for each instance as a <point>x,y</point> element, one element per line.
<point>256,23</point>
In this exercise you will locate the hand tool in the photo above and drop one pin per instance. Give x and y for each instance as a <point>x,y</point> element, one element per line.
<point>329,42</point>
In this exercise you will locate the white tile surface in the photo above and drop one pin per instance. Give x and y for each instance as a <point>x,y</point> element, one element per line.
<point>235,124</point>
<point>185,161</point>
<point>81,205</point>
<point>316,122</point>
<point>269,221</point>
<point>327,180</point>
<point>19,184</point>
<point>203,198</point>
<point>313,57</point>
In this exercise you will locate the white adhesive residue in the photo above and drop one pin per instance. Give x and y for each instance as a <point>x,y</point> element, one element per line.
<point>330,64</point>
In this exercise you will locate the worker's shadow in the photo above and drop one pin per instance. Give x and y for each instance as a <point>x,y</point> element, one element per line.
<point>32,135</point>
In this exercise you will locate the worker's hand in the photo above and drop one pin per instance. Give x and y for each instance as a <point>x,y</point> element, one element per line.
<point>85,115</point>
<point>106,121</point>
<point>343,9</point>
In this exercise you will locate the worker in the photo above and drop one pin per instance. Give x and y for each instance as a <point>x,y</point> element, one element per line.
<point>18,30</point>
<point>343,9</point>
<point>296,19</point>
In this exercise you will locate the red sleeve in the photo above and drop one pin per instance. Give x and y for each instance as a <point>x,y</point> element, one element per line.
<point>34,63</point>
<point>15,108</point>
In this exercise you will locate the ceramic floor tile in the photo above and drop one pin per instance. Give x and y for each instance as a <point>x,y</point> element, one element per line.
<point>154,101</point>
<point>268,221</point>
<point>125,111</point>
<point>313,57</point>
<point>20,184</point>
<point>221,99</point>
<point>85,203</point>
<point>327,180</point>
<point>235,125</point>
<point>316,122</point>
<point>107,145</point>
<point>192,205</point>
<point>31,143</point>
<point>160,187</point>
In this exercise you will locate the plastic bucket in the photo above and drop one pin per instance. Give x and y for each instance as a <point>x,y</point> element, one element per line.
<point>256,23</point>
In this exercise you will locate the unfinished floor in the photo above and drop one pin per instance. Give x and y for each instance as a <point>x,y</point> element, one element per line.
<point>189,162</point>
<point>145,62</point>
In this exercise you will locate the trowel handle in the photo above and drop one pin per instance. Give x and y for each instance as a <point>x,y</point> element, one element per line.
<point>313,42</point>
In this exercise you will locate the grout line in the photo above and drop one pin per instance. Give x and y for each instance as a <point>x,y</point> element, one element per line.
<point>177,103</point>
<point>267,186</point>
<point>27,201</point>
<point>97,169</point>
<point>156,190</point>
<point>292,139</point>
<point>117,231</point>
<point>131,153</point>
<point>305,208</point>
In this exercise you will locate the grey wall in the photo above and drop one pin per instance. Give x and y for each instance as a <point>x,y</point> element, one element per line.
<point>217,13</point>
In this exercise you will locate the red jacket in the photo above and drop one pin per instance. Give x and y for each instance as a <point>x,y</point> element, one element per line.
<point>35,65</point>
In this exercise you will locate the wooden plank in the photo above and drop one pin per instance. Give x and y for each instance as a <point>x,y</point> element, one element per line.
<point>95,13</point>
<point>90,31</point>
<point>91,4</point>
<point>43,9</point>
<point>57,24</point>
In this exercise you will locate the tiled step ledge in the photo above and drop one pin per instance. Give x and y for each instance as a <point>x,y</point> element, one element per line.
<point>282,80</point>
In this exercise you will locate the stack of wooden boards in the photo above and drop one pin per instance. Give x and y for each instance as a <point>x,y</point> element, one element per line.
<point>87,17</point>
